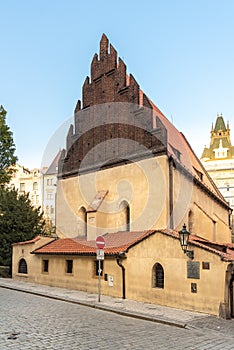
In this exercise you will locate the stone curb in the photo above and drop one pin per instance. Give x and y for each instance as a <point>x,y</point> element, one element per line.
<point>127,313</point>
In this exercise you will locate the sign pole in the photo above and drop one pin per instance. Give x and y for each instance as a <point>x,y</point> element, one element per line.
<point>100,243</point>
<point>99,281</point>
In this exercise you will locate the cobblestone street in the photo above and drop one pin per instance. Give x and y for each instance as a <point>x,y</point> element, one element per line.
<point>35,322</point>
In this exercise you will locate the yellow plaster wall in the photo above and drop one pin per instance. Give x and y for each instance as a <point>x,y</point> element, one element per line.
<point>144,185</point>
<point>83,276</point>
<point>22,251</point>
<point>177,287</point>
<point>210,219</point>
<point>158,248</point>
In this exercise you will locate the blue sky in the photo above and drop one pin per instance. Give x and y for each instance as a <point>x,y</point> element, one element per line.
<point>180,52</point>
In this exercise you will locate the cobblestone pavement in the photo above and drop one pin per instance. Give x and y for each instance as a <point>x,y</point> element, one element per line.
<point>34,322</point>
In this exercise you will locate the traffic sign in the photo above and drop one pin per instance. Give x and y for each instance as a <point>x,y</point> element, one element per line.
<point>100,242</point>
<point>100,254</point>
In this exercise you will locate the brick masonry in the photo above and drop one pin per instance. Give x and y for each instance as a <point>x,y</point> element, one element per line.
<point>114,121</point>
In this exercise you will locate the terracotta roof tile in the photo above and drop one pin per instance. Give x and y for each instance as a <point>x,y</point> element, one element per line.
<point>118,242</point>
<point>114,244</point>
<point>35,239</point>
<point>224,250</point>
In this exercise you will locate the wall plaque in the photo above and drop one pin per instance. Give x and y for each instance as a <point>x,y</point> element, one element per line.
<point>194,287</point>
<point>193,269</point>
<point>205,265</point>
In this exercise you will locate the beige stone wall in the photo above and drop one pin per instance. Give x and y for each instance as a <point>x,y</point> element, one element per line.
<point>177,288</point>
<point>210,219</point>
<point>83,276</point>
<point>22,251</point>
<point>143,185</point>
<point>158,248</point>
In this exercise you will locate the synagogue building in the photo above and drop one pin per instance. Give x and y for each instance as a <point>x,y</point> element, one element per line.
<point>128,175</point>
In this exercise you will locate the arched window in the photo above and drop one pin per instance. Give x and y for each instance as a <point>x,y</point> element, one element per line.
<point>82,224</point>
<point>22,266</point>
<point>190,221</point>
<point>124,216</point>
<point>158,276</point>
<point>35,186</point>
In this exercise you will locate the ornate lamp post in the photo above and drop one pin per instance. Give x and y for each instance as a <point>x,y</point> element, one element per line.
<point>184,239</point>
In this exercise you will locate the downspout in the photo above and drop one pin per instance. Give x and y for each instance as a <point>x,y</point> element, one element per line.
<point>119,262</point>
<point>171,190</point>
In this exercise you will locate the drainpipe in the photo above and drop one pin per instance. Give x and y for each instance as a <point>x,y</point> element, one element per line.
<point>171,192</point>
<point>119,262</point>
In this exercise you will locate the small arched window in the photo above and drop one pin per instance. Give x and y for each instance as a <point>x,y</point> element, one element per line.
<point>125,216</point>
<point>158,276</point>
<point>190,221</point>
<point>22,266</point>
<point>82,224</point>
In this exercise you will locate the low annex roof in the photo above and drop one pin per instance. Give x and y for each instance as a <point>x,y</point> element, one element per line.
<point>34,240</point>
<point>121,242</point>
<point>115,243</point>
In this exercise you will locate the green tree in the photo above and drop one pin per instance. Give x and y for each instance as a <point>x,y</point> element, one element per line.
<point>7,150</point>
<point>19,221</point>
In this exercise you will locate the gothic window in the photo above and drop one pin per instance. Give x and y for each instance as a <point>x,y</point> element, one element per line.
<point>190,221</point>
<point>82,224</point>
<point>22,266</point>
<point>124,216</point>
<point>158,276</point>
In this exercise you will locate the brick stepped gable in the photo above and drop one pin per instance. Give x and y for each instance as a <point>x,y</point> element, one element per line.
<point>98,119</point>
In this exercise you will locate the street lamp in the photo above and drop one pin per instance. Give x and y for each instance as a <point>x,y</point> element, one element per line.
<point>184,239</point>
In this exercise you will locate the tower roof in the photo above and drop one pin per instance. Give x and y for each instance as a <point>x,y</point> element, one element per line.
<point>220,125</point>
<point>220,143</point>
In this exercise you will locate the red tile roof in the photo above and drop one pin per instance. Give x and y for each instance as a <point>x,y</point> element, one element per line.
<point>114,244</point>
<point>224,250</point>
<point>118,242</point>
<point>35,239</point>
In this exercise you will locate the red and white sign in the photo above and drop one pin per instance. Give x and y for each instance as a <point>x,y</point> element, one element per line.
<point>100,242</point>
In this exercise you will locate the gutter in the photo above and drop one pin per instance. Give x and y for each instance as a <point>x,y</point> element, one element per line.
<point>119,262</point>
<point>171,190</point>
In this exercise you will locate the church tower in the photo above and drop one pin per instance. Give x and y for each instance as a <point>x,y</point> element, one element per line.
<point>220,144</point>
<point>218,160</point>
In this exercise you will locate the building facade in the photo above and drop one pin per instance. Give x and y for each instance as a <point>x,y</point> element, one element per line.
<point>218,159</point>
<point>129,175</point>
<point>49,191</point>
<point>41,187</point>
<point>28,181</point>
<point>126,167</point>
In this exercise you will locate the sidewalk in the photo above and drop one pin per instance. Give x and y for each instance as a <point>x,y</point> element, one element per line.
<point>150,312</point>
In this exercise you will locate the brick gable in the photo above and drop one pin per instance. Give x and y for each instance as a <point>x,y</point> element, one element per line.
<point>114,122</point>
